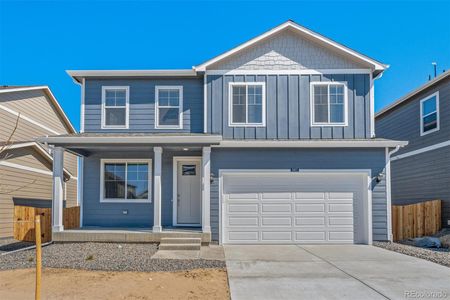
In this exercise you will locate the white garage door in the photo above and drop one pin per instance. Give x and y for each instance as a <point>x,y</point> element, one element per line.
<point>295,208</point>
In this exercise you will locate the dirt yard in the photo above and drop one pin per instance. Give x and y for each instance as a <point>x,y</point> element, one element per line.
<point>81,284</point>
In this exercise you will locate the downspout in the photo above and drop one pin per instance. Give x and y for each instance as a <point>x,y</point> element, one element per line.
<point>388,190</point>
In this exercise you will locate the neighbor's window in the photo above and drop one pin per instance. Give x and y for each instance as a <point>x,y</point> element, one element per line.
<point>125,181</point>
<point>115,107</point>
<point>429,114</point>
<point>329,103</point>
<point>247,104</point>
<point>169,107</point>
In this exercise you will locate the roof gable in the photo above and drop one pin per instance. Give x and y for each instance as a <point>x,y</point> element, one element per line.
<point>307,35</point>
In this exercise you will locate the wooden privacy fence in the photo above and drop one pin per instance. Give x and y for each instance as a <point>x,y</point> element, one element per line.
<point>24,222</point>
<point>416,220</point>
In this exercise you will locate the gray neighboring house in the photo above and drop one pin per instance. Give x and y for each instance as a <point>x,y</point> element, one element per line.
<point>421,171</point>
<point>271,142</point>
<point>25,165</point>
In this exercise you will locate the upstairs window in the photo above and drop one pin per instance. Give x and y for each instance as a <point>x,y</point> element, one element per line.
<point>115,101</point>
<point>329,104</point>
<point>429,114</point>
<point>169,107</point>
<point>247,104</point>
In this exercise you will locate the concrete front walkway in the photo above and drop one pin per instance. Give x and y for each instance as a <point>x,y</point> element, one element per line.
<point>332,272</point>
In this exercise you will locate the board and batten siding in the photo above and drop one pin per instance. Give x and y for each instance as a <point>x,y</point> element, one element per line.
<point>142,104</point>
<point>373,159</point>
<point>288,109</point>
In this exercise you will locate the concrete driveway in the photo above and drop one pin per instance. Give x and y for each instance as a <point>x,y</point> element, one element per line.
<point>332,272</point>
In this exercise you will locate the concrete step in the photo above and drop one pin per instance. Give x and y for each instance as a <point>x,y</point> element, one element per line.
<point>180,246</point>
<point>181,240</point>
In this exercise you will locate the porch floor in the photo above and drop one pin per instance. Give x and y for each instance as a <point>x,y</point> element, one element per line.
<point>128,235</point>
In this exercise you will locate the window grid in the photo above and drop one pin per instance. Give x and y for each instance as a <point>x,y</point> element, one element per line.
<point>423,125</point>
<point>243,93</point>
<point>115,98</point>
<point>169,98</point>
<point>334,96</point>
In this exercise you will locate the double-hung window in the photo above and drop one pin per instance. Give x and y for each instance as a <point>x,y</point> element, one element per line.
<point>328,104</point>
<point>169,107</point>
<point>125,180</point>
<point>429,114</point>
<point>115,103</point>
<point>247,104</point>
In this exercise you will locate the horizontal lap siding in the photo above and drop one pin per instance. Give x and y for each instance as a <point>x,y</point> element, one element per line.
<point>423,177</point>
<point>403,122</point>
<point>373,159</point>
<point>142,104</point>
<point>288,110</point>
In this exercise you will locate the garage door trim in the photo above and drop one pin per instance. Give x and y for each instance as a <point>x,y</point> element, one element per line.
<point>366,173</point>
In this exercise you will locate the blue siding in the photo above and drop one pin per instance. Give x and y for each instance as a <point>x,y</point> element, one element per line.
<point>139,214</point>
<point>373,159</point>
<point>142,104</point>
<point>288,107</point>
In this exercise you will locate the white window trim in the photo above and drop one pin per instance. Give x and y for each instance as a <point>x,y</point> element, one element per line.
<point>180,106</point>
<point>422,133</point>
<point>230,104</point>
<point>311,98</point>
<point>122,200</point>
<point>127,107</point>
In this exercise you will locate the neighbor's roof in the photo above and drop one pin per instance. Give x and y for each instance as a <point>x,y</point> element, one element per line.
<point>46,89</point>
<point>413,93</point>
<point>39,149</point>
<point>376,65</point>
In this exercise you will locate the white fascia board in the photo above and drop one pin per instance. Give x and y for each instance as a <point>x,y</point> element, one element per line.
<point>413,93</point>
<point>123,140</point>
<point>78,74</point>
<point>290,24</point>
<point>311,144</point>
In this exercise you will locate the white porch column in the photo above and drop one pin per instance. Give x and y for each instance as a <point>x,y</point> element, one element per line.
<point>58,189</point>
<point>206,171</point>
<point>157,190</point>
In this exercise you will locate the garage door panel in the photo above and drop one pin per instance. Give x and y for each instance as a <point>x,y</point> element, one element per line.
<point>242,208</point>
<point>243,221</point>
<point>309,221</point>
<point>289,208</point>
<point>270,236</point>
<point>276,221</point>
<point>309,208</point>
<point>276,208</point>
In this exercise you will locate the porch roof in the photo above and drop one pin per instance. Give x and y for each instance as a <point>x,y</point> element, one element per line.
<point>126,139</point>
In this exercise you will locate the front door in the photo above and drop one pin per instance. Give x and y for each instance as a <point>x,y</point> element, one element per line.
<point>189,208</point>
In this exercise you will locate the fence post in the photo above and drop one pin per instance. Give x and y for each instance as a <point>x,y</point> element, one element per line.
<point>37,229</point>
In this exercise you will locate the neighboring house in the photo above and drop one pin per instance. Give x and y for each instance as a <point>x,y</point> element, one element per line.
<point>25,165</point>
<point>421,171</point>
<point>270,142</point>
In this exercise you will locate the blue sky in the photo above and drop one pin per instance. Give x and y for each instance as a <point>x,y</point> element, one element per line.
<point>40,40</point>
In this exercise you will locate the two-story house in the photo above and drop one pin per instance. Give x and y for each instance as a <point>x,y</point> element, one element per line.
<point>420,171</point>
<point>270,142</point>
<point>28,112</point>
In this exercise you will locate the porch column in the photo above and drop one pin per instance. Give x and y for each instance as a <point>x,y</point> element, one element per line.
<point>58,189</point>
<point>206,171</point>
<point>157,190</point>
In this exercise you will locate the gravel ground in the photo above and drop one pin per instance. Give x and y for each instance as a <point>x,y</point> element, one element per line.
<point>103,256</point>
<point>440,256</point>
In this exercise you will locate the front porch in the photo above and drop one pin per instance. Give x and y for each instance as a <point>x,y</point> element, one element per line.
<point>140,190</point>
<point>128,235</point>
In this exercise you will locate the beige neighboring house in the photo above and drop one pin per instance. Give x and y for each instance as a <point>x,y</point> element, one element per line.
<point>25,165</point>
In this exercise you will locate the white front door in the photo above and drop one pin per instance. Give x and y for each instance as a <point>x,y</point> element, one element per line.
<point>189,210</point>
